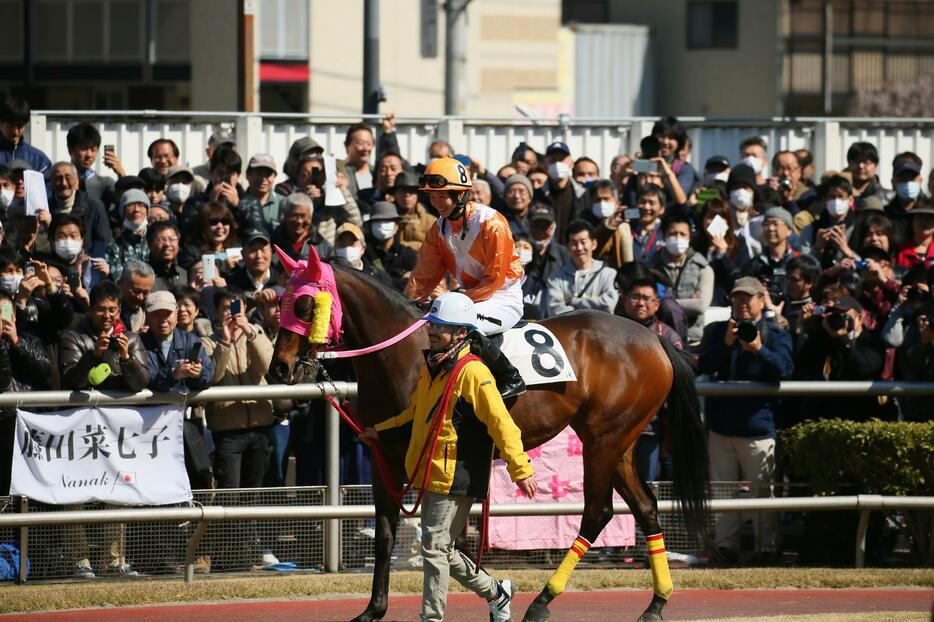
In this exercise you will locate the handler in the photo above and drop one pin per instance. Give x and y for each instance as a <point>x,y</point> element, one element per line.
<point>473,244</point>
<point>459,466</point>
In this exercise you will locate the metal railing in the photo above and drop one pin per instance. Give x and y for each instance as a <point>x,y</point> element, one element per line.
<point>489,139</point>
<point>333,510</point>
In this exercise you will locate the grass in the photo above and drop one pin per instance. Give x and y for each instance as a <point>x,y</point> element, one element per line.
<point>98,593</point>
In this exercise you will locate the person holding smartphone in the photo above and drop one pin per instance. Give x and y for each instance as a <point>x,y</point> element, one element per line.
<point>174,355</point>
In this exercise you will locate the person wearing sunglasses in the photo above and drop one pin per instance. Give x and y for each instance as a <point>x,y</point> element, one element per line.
<point>473,244</point>
<point>214,233</point>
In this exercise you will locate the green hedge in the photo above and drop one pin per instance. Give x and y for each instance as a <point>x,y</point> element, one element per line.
<point>873,457</point>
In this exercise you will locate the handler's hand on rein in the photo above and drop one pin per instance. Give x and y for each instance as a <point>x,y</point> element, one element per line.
<point>528,486</point>
<point>369,436</point>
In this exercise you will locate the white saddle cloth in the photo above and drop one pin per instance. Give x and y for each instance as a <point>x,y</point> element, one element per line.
<point>537,354</point>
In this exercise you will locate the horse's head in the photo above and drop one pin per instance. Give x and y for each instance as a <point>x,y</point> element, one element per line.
<point>300,331</point>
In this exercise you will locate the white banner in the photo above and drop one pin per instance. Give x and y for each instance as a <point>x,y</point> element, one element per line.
<point>126,456</point>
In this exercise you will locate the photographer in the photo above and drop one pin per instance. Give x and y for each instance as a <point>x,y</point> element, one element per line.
<point>225,189</point>
<point>919,363</point>
<point>837,348</point>
<point>742,429</point>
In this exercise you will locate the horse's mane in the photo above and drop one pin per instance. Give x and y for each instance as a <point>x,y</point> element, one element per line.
<point>395,300</point>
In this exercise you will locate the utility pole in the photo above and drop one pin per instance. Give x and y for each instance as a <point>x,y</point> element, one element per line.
<point>828,57</point>
<point>455,57</point>
<point>372,91</point>
<point>247,11</point>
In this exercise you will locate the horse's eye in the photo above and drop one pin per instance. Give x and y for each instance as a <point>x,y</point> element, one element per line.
<point>304,307</point>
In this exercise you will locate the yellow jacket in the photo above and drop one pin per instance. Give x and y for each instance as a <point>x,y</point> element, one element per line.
<point>475,420</point>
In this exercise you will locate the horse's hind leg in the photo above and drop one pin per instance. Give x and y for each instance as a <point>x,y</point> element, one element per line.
<point>634,491</point>
<point>599,469</point>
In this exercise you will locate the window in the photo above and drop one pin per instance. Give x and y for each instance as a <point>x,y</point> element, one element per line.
<point>95,31</point>
<point>283,29</point>
<point>11,43</point>
<point>172,31</point>
<point>712,25</point>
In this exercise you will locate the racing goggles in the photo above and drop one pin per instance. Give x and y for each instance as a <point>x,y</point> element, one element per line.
<point>435,182</point>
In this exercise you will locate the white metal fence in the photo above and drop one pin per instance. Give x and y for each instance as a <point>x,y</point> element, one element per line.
<point>491,140</point>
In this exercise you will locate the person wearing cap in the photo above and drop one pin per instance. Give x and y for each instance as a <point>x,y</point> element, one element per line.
<point>260,198</point>
<point>568,198</point>
<point>518,198</point>
<point>67,198</point>
<point>741,440</point>
<point>179,186</point>
<point>828,237</point>
<point>918,249</point>
<point>743,194</point>
<point>169,349</point>
<point>383,249</point>
<point>84,141</point>
<point>14,117</point>
<point>414,219</point>
<point>255,276</point>
<point>475,421</point>
<point>359,142</point>
<point>296,232</point>
<point>202,172</point>
<point>163,239</point>
<point>302,147</point>
<point>547,255</point>
<point>770,266</point>
<point>131,243</point>
<point>716,169</point>
<point>839,347</point>
<point>908,185</point>
<point>350,249</point>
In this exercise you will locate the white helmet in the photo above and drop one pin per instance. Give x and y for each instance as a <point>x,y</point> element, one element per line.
<point>453,309</point>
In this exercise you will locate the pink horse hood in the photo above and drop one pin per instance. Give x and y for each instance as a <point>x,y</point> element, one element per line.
<point>308,278</point>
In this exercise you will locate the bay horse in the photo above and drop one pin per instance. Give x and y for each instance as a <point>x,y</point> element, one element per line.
<point>625,373</point>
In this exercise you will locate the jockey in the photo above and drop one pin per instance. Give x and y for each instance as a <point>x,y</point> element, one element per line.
<point>472,243</point>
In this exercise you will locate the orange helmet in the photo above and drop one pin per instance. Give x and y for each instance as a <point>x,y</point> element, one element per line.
<point>445,174</point>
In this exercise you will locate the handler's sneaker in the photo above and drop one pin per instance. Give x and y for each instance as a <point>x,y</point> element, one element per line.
<point>501,606</point>
<point>83,570</point>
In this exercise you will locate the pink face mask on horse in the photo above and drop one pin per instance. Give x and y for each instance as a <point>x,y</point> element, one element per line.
<point>309,278</point>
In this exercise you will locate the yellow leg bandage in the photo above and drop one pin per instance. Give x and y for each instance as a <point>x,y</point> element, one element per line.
<point>658,558</point>
<point>559,579</point>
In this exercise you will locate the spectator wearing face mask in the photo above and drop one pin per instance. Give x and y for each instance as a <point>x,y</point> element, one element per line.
<point>131,244</point>
<point>350,249</point>
<point>178,188</point>
<point>583,282</point>
<point>384,250</point>
<point>518,199</point>
<point>754,153</point>
<point>80,272</point>
<point>828,238</point>
<point>741,187</point>
<point>414,219</point>
<point>68,199</point>
<point>907,182</point>
<point>608,215</point>
<point>42,309</point>
<point>568,198</point>
<point>918,249</point>
<point>687,271</point>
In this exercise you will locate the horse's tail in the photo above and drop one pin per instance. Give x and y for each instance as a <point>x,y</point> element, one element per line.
<point>688,438</point>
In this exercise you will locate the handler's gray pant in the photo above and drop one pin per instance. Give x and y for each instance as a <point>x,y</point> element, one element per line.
<point>443,519</point>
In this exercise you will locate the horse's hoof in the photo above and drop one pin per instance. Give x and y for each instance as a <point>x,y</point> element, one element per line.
<point>648,616</point>
<point>369,616</point>
<point>537,613</point>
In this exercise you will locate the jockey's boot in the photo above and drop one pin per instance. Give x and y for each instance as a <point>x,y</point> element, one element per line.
<point>508,380</point>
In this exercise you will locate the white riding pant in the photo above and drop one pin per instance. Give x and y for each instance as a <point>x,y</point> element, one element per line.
<point>501,311</point>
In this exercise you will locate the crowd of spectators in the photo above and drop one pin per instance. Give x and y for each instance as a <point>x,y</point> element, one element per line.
<point>755,265</point>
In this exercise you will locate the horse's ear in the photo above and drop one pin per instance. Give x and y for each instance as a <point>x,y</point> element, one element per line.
<point>287,262</point>
<point>313,269</point>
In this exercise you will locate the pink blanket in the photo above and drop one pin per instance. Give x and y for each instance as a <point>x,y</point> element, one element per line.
<point>559,470</point>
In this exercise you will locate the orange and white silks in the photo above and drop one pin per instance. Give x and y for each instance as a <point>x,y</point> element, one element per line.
<point>484,261</point>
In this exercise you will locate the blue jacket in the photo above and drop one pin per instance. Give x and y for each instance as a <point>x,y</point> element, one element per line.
<point>26,152</point>
<point>161,368</point>
<point>746,417</point>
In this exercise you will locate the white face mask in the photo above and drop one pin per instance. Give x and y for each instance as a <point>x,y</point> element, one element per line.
<point>604,209</point>
<point>68,249</point>
<point>132,227</point>
<point>676,246</point>
<point>741,217</point>
<point>838,207</point>
<point>10,283</point>
<point>741,198</point>
<point>350,253</point>
<point>6,196</point>
<point>525,256</point>
<point>755,163</point>
<point>559,170</point>
<point>178,192</point>
<point>382,230</point>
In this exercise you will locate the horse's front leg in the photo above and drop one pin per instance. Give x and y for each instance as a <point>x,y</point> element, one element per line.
<point>387,518</point>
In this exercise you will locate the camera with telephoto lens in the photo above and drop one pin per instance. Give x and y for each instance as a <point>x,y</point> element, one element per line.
<point>837,318</point>
<point>784,183</point>
<point>746,331</point>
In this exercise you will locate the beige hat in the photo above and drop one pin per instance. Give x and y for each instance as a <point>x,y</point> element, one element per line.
<point>160,301</point>
<point>748,285</point>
